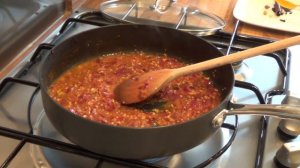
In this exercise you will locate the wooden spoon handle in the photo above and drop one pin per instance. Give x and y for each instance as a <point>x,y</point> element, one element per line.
<point>238,56</point>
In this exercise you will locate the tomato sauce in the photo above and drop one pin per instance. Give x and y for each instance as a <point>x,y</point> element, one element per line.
<point>87,90</point>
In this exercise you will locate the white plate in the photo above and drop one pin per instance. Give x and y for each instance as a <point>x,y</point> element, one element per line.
<point>254,12</point>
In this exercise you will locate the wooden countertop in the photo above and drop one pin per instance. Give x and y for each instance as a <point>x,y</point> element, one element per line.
<point>224,9</point>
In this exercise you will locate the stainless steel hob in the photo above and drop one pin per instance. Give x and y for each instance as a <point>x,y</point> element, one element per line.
<point>28,139</point>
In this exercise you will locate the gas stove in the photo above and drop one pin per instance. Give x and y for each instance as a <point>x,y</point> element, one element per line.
<point>29,140</point>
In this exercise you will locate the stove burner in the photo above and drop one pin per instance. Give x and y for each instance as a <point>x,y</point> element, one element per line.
<point>242,71</point>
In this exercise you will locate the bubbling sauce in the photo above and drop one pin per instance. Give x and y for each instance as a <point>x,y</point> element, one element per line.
<point>87,90</point>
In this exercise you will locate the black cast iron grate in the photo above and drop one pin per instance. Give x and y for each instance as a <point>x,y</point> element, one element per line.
<point>225,41</point>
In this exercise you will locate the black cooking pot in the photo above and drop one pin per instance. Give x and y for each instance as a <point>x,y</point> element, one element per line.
<point>137,143</point>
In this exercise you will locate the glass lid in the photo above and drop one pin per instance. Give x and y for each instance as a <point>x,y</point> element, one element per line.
<point>163,13</point>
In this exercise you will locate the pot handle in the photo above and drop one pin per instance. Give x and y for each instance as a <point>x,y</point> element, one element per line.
<point>281,111</point>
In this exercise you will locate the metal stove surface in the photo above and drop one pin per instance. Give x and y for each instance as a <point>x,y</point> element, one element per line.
<point>262,71</point>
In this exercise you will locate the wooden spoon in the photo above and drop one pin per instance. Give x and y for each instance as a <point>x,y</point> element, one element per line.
<point>141,87</point>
